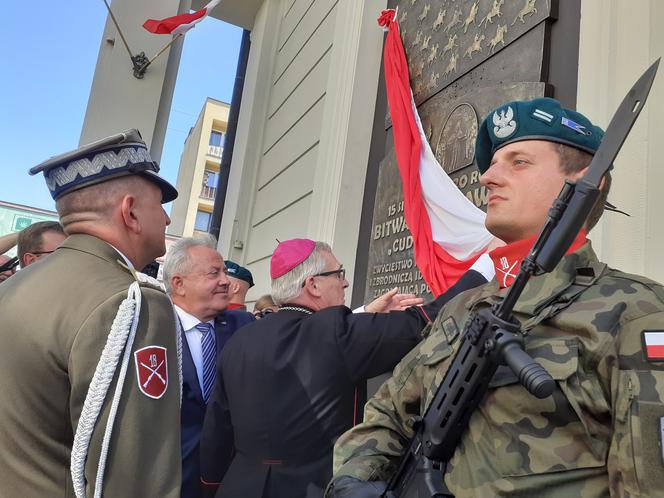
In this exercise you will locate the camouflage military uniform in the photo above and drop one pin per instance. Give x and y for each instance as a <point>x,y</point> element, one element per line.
<point>597,435</point>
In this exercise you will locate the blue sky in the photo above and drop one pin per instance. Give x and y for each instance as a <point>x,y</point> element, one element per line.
<point>47,70</point>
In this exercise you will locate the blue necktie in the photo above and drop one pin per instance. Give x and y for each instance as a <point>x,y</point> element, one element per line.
<point>209,358</point>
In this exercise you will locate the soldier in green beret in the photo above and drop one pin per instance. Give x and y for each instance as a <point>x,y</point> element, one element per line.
<point>598,331</point>
<point>89,355</point>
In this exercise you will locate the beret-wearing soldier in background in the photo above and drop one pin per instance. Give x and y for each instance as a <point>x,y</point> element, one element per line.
<point>241,280</point>
<point>286,387</point>
<point>89,355</point>
<point>592,327</point>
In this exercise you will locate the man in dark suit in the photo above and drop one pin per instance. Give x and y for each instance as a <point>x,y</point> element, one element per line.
<point>196,278</point>
<point>287,384</point>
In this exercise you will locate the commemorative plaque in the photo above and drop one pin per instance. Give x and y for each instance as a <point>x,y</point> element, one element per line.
<point>464,58</point>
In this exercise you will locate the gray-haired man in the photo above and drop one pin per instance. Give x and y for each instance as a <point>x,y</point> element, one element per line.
<point>195,276</point>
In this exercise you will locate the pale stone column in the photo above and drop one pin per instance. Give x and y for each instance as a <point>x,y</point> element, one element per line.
<point>118,100</point>
<point>346,132</point>
<point>618,41</point>
<point>247,152</point>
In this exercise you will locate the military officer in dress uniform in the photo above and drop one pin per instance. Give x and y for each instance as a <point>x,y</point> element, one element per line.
<point>286,387</point>
<point>89,369</point>
<point>589,325</point>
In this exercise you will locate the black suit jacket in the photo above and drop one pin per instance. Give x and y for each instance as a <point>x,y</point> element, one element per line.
<point>193,406</point>
<point>288,392</point>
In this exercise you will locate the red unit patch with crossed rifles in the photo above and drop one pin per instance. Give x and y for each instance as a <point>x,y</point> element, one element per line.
<point>152,370</point>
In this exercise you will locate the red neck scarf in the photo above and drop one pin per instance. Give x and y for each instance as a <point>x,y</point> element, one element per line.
<point>507,259</point>
<point>236,306</point>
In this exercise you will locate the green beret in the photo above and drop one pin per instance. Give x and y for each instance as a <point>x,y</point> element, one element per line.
<point>237,271</point>
<point>538,119</point>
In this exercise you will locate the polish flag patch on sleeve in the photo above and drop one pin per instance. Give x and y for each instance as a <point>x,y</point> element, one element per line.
<point>653,344</point>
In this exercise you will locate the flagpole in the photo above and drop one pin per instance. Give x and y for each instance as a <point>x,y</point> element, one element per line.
<point>140,70</point>
<point>117,26</point>
<point>175,38</point>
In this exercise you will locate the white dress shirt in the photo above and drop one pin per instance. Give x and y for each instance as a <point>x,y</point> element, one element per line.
<point>194,337</point>
<point>126,259</point>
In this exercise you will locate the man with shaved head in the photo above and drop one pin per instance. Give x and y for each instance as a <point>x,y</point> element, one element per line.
<point>89,363</point>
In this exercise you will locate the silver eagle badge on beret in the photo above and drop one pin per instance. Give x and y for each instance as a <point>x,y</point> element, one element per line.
<point>504,123</point>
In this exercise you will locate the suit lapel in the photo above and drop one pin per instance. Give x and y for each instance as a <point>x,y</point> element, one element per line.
<point>222,331</point>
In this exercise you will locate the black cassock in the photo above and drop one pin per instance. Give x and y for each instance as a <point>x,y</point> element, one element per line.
<point>287,391</point>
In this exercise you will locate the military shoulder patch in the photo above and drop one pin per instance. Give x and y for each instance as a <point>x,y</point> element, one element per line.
<point>450,328</point>
<point>152,370</point>
<point>653,345</point>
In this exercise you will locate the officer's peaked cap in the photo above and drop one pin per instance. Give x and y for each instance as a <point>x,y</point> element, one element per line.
<point>119,155</point>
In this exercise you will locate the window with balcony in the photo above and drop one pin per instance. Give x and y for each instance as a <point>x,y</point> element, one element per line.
<point>202,222</point>
<point>209,187</point>
<point>216,143</point>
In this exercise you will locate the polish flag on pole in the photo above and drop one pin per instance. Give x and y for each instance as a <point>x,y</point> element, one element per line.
<point>447,228</point>
<point>178,25</point>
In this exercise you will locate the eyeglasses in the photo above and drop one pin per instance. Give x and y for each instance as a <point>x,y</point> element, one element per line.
<point>263,313</point>
<point>39,253</point>
<point>341,272</point>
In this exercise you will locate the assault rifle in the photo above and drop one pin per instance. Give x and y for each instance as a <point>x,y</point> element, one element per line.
<point>493,336</point>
